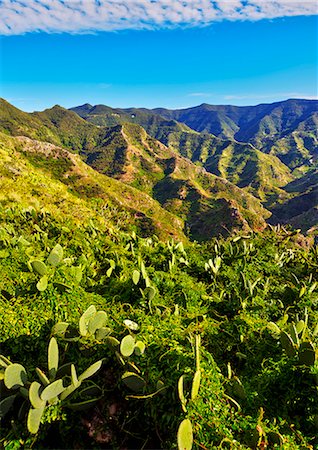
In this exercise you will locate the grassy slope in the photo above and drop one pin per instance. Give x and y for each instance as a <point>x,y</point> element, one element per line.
<point>231,312</point>
<point>43,175</point>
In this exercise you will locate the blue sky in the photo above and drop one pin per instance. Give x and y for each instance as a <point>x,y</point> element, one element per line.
<point>173,61</point>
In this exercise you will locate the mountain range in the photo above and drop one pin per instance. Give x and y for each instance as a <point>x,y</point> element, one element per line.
<point>198,172</point>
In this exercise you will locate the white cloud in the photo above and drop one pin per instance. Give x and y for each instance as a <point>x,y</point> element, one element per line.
<point>271,96</point>
<point>85,16</point>
<point>200,94</point>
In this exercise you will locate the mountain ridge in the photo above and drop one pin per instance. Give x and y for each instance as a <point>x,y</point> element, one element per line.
<point>210,183</point>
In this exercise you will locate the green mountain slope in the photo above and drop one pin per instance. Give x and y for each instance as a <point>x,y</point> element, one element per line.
<point>287,129</point>
<point>209,204</point>
<point>42,175</point>
<point>127,153</point>
<point>301,210</point>
<point>153,123</point>
<point>242,164</point>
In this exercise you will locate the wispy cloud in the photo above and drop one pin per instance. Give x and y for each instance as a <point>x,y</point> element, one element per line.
<point>86,16</point>
<point>200,94</point>
<point>271,96</point>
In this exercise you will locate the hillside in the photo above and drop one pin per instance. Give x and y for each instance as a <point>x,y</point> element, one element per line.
<point>117,330</point>
<point>193,175</point>
<point>42,175</point>
<point>241,164</point>
<point>301,210</point>
<point>129,154</point>
<point>132,156</point>
<point>287,129</point>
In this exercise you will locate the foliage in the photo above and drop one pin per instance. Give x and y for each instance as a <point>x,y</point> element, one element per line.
<point>233,299</point>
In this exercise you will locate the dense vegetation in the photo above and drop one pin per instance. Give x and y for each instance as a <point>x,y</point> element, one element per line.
<point>117,330</point>
<point>252,300</point>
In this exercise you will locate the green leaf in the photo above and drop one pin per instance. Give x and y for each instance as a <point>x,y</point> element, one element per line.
<point>287,344</point>
<point>43,378</point>
<point>133,326</point>
<point>112,342</point>
<point>127,346</point>
<point>85,318</point>
<point>60,328</point>
<point>91,370</point>
<point>182,398</point>
<point>75,381</point>
<point>139,348</point>
<point>52,390</point>
<point>99,320</point>
<point>307,354</point>
<point>274,329</point>
<point>135,382</point>
<point>300,326</point>
<point>6,404</point>
<point>102,333</point>
<point>56,256</point>
<point>39,267</point>
<point>237,388</point>
<point>293,333</point>
<point>53,358</point>
<point>42,283</point>
<point>196,384</point>
<point>15,376</point>
<point>68,391</point>
<point>34,419</point>
<point>136,276</point>
<point>150,293</point>
<point>185,435</point>
<point>35,395</point>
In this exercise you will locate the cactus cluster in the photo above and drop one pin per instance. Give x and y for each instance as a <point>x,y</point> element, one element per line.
<point>297,341</point>
<point>185,432</point>
<point>45,270</point>
<point>213,266</point>
<point>56,386</point>
<point>92,324</point>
